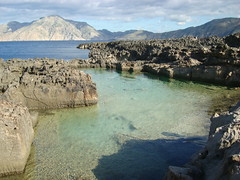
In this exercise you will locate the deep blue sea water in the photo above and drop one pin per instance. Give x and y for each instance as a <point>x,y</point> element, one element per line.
<point>140,126</point>
<point>39,49</point>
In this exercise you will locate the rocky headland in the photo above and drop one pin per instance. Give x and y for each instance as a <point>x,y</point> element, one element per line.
<point>35,84</point>
<point>212,60</point>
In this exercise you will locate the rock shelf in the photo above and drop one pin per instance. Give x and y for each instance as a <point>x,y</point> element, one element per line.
<point>214,59</point>
<point>32,85</point>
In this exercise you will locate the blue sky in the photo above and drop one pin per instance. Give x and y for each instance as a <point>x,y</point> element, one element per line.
<point>121,15</point>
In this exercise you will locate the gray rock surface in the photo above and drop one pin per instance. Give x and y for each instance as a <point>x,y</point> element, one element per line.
<point>46,83</point>
<point>214,59</point>
<point>35,84</point>
<point>220,159</point>
<point>16,135</point>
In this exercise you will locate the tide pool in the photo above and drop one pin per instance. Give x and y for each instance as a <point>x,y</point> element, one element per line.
<point>139,127</point>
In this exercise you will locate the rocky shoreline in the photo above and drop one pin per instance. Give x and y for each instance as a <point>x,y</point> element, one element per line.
<point>212,60</point>
<point>220,159</point>
<point>49,83</point>
<point>35,84</point>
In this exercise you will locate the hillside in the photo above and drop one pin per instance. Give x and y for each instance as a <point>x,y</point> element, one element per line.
<point>54,28</point>
<point>47,28</point>
<point>217,27</point>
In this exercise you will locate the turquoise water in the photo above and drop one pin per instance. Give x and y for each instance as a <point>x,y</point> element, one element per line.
<point>140,126</point>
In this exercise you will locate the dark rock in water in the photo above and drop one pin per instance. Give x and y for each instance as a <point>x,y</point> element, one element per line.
<point>214,59</point>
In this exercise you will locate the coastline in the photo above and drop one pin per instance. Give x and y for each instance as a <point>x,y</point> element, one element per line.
<point>38,84</point>
<point>210,60</point>
<point>179,65</point>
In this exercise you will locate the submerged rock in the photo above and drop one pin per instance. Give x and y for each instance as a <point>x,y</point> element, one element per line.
<point>16,135</point>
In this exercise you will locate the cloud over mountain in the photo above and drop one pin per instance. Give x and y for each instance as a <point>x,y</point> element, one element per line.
<point>179,11</point>
<point>53,28</point>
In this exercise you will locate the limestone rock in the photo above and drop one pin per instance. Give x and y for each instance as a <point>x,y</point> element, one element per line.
<point>214,59</point>
<point>221,157</point>
<point>45,83</point>
<point>16,135</point>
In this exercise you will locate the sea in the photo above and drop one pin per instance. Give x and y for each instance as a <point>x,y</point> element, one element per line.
<point>141,125</point>
<point>40,49</point>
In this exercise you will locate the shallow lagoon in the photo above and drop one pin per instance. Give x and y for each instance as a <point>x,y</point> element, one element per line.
<point>140,126</point>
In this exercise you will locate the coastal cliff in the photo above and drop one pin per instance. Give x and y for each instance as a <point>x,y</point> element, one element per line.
<point>35,84</point>
<point>215,60</point>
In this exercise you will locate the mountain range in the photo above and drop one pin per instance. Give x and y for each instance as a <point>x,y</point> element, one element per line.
<point>53,28</point>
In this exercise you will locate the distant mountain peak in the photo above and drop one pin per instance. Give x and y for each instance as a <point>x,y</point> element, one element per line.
<point>47,28</point>
<point>55,27</point>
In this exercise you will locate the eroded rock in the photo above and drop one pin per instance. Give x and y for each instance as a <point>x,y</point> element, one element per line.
<point>16,135</point>
<point>46,83</point>
<point>220,159</point>
<point>214,59</point>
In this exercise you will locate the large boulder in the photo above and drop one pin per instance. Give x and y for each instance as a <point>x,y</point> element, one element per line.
<point>16,135</point>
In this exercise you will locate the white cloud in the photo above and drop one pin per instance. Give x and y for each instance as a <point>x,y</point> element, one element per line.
<point>179,11</point>
<point>181,19</point>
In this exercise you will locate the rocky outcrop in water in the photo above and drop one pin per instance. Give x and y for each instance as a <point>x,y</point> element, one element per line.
<point>16,135</point>
<point>35,84</point>
<point>213,59</point>
<point>46,83</point>
<point>220,159</point>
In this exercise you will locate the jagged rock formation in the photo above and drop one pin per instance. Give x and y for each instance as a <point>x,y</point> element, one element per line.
<point>16,135</point>
<point>213,59</point>
<point>46,83</point>
<point>220,159</point>
<point>35,84</point>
